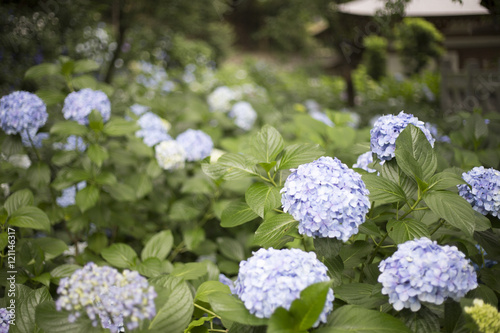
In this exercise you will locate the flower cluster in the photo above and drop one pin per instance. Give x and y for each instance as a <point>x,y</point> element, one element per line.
<point>21,111</point>
<point>314,110</point>
<point>73,142</point>
<point>227,281</point>
<point>196,143</point>
<point>115,298</point>
<point>220,99</point>
<point>274,278</point>
<point>327,198</point>
<point>32,138</point>
<point>4,320</point>
<point>79,104</point>
<point>386,130</point>
<point>423,271</point>
<point>139,109</point>
<point>486,316</point>
<point>154,129</point>
<point>363,161</point>
<point>488,263</point>
<point>244,115</point>
<point>170,155</point>
<point>483,190</point>
<point>68,195</point>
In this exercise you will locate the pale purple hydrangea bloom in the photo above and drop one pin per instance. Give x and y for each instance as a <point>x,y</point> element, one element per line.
<point>327,198</point>
<point>79,104</point>
<point>244,115</point>
<point>220,99</point>
<point>139,109</point>
<point>274,278</point>
<point>154,129</point>
<point>106,295</point>
<point>35,137</point>
<point>321,116</point>
<point>386,130</point>
<point>4,320</point>
<point>196,143</point>
<point>483,190</point>
<point>424,271</point>
<point>21,111</point>
<point>363,161</point>
<point>227,281</point>
<point>73,142</point>
<point>170,155</point>
<point>68,196</point>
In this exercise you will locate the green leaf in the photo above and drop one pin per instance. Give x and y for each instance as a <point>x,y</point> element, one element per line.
<point>17,200</point>
<point>282,321</point>
<point>231,248</point>
<point>119,127</point>
<point>271,231</point>
<point>53,321</point>
<point>105,178</point>
<point>355,319</point>
<point>51,247</point>
<point>353,253</point>
<point>210,287</point>
<point>444,180</point>
<point>85,66</point>
<point>97,154</point>
<point>190,270</point>
<point>121,192</point>
<point>235,166</point>
<point>97,242</point>
<point>38,174</point>
<point>30,217</point>
<point>25,310</point>
<point>66,128</point>
<point>414,153</point>
<point>39,71</point>
<point>43,278</point>
<point>267,144</point>
<point>65,270</point>
<point>229,307</point>
<point>452,208</point>
<point>84,81</point>
<point>407,229</point>
<point>142,184</point>
<point>174,304</point>
<point>361,294</point>
<point>120,255</point>
<point>62,158</point>
<point>158,246</point>
<point>150,267</point>
<point>95,121</point>
<point>382,190</point>
<point>327,250</point>
<point>298,154</point>
<point>87,197</point>
<point>193,238</point>
<point>422,321</point>
<point>390,170</point>
<point>312,301</point>
<point>198,323</point>
<point>262,198</point>
<point>236,214</point>
<point>51,97</point>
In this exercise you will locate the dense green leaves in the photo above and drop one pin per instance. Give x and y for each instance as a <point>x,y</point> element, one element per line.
<point>270,233</point>
<point>267,144</point>
<point>408,229</point>
<point>158,246</point>
<point>298,154</point>
<point>120,255</point>
<point>383,190</point>
<point>30,217</point>
<point>262,198</point>
<point>17,200</point>
<point>229,307</point>
<point>236,214</point>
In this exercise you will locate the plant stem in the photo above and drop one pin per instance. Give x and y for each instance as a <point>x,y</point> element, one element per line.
<point>441,222</point>
<point>207,311</point>
<point>412,208</point>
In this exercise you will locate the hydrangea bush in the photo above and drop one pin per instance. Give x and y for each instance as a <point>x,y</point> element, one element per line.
<point>144,210</point>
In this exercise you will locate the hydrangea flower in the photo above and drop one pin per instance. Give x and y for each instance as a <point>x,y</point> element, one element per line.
<point>170,155</point>
<point>220,99</point>
<point>244,115</point>
<point>227,281</point>
<point>103,293</point>
<point>79,104</point>
<point>4,320</point>
<point>196,143</point>
<point>21,111</point>
<point>139,109</point>
<point>484,315</point>
<point>154,129</point>
<point>327,198</point>
<point>73,142</point>
<point>423,271</point>
<point>274,278</point>
<point>386,130</point>
<point>68,196</point>
<point>31,135</point>
<point>486,262</point>
<point>483,190</point>
<point>320,116</point>
<point>363,161</point>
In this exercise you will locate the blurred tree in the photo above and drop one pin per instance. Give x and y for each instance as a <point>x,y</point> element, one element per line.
<point>375,56</point>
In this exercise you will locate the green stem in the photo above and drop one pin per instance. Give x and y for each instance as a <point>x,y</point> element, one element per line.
<point>412,208</point>
<point>176,251</point>
<point>33,146</point>
<point>207,311</point>
<point>441,222</point>
<point>271,179</point>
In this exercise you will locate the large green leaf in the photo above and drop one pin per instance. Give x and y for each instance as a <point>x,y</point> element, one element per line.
<point>119,127</point>
<point>414,153</point>
<point>452,208</point>
<point>230,308</point>
<point>87,197</point>
<point>30,217</point>
<point>422,321</point>
<point>25,310</point>
<point>236,214</point>
<point>444,180</point>
<point>158,246</point>
<point>233,166</point>
<point>408,229</point>
<point>262,198</point>
<point>174,304</point>
<point>120,255</point>
<point>97,154</point>
<point>39,71</point>
<point>85,66</point>
<point>210,287</point>
<point>361,294</point>
<point>53,321</point>
<point>383,190</point>
<point>295,155</point>
<point>390,170</point>
<point>310,305</point>
<point>51,247</point>
<point>271,231</point>
<point>190,270</point>
<point>355,319</point>
<point>17,200</point>
<point>38,175</point>
<point>267,144</point>
<point>353,253</point>
<point>66,128</point>
<point>231,248</point>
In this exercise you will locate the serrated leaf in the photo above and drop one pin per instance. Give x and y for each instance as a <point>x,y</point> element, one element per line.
<point>38,174</point>
<point>142,184</point>
<point>30,217</point>
<point>64,271</point>
<point>230,308</point>
<point>390,170</point>
<point>190,270</point>
<point>271,231</point>
<point>158,246</point>
<point>210,287</point>
<point>383,190</point>
<point>298,154</point>
<point>97,154</point>
<point>444,180</point>
<point>262,198</point>
<point>25,310</point>
<point>193,238</point>
<point>87,197</point>
<point>120,255</point>
<point>17,200</point>
<point>422,321</point>
<point>235,166</point>
<point>351,254</point>
<point>121,192</point>
<point>310,305</point>
<point>150,267</point>
<point>236,214</point>
<point>452,208</point>
<point>119,127</point>
<point>51,247</point>
<point>39,71</point>
<point>231,248</point>
<point>66,128</point>
<point>407,229</point>
<point>361,294</point>
<point>53,321</point>
<point>267,144</point>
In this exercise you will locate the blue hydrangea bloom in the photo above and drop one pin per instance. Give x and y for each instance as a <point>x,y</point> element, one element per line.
<point>21,111</point>
<point>68,195</point>
<point>321,116</point>
<point>227,281</point>
<point>79,104</point>
<point>73,142</point>
<point>220,99</point>
<point>103,293</point>
<point>386,130</point>
<point>139,109</point>
<point>483,190</point>
<point>424,271</point>
<point>35,137</point>
<point>363,161</point>
<point>196,143</point>
<point>154,129</point>
<point>274,278</point>
<point>244,115</point>
<point>4,320</point>
<point>170,155</point>
<point>327,198</point>
<point>486,262</point>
